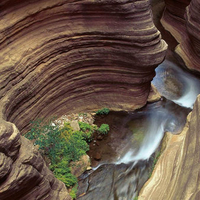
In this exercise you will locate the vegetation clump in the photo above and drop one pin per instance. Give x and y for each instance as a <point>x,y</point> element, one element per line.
<point>87,130</point>
<point>103,111</point>
<point>61,146</point>
<point>157,155</point>
<point>103,129</point>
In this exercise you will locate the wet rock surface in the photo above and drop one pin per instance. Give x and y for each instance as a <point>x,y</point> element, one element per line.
<point>112,182</point>
<point>176,172</point>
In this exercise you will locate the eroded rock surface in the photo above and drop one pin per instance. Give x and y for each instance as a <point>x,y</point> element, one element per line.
<point>58,56</point>
<point>176,174</point>
<point>23,172</point>
<point>182,20</point>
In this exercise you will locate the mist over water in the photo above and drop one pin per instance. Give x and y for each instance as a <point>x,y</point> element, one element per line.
<point>122,177</point>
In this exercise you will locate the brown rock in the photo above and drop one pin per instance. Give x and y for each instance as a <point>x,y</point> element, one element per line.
<point>23,172</point>
<point>176,173</point>
<point>59,56</point>
<point>154,95</point>
<point>75,126</point>
<point>181,18</point>
<point>97,156</point>
<point>78,167</point>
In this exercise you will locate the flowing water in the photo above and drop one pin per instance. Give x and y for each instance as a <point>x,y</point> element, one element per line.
<point>134,137</point>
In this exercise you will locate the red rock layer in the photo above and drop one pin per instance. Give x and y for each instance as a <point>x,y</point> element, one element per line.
<point>176,174</point>
<point>58,56</point>
<point>184,24</point>
<point>23,173</point>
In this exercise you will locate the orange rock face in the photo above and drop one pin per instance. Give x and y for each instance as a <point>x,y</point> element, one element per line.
<point>182,20</point>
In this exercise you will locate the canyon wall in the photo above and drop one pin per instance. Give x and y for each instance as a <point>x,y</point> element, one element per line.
<point>60,56</point>
<point>23,173</point>
<point>176,174</point>
<point>182,20</point>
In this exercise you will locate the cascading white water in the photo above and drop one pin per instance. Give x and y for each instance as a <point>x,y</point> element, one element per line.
<point>150,142</point>
<point>162,119</point>
<point>128,173</point>
<point>191,85</point>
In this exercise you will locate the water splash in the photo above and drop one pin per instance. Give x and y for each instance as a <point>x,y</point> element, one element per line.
<point>159,120</point>
<point>169,76</point>
<point>129,172</point>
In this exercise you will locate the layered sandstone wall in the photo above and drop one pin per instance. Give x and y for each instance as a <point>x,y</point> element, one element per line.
<point>182,20</point>
<point>61,56</point>
<point>23,172</point>
<point>176,174</point>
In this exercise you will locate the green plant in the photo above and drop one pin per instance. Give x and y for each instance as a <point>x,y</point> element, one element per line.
<point>103,129</point>
<point>60,145</point>
<point>87,131</point>
<point>157,155</point>
<point>103,111</point>
<point>62,172</point>
<point>74,191</point>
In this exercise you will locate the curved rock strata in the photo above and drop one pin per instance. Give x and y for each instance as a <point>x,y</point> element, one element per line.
<point>182,20</point>
<point>23,173</point>
<point>176,174</point>
<point>58,56</point>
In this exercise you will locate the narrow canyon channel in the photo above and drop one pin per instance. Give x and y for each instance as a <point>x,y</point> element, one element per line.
<point>127,153</point>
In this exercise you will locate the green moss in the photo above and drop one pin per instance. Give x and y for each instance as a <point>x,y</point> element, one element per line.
<point>157,155</point>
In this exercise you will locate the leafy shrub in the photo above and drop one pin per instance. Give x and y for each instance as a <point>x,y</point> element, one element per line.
<point>87,130</point>
<point>73,192</point>
<point>103,129</point>
<point>60,145</point>
<point>62,172</point>
<point>103,111</point>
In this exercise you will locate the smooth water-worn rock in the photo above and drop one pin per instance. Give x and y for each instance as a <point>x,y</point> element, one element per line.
<point>182,20</point>
<point>176,174</point>
<point>23,172</point>
<point>61,56</point>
